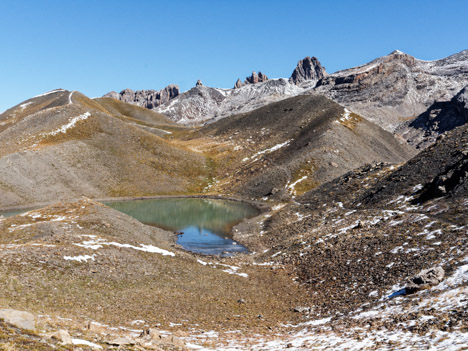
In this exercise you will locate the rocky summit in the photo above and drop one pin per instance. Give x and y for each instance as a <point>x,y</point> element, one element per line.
<point>358,181</point>
<point>308,69</point>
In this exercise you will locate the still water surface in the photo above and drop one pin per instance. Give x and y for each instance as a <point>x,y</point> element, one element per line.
<point>205,223</point>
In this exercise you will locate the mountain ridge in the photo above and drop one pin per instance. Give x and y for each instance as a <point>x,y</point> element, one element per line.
<point>389,90</point>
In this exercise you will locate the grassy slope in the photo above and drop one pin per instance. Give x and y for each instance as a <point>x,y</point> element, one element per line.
<point>98,156</point>
<point>122,284</point>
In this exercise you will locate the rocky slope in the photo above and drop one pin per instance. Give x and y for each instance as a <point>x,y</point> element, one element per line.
<point>357,242</point>
<point>123,276</point>
<point>63,145</point>
<point>293,145</point>
<point>398,87</point>
<point>203,103</point>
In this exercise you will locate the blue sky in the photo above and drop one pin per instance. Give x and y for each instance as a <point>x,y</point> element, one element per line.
<point>98,46</point>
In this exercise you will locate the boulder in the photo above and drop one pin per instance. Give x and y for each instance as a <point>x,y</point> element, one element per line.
<point>424,279</point>
<point>20,319</point>
<point>173,340</point>
<point>63,336</point>
<point>121,341</point>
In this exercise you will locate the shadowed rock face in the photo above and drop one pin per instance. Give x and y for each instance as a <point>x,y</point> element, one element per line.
<point>439,118</point>
<point>146,98</point>
<point>308,68</point>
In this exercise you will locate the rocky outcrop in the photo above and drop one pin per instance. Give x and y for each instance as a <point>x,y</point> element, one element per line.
<point>20,319</point>
<point>146,98</point>
<point>308,69</point>
<point>238,84</point>
<point>424,279</point>
<point>461,103</point>
<point>254,78</point>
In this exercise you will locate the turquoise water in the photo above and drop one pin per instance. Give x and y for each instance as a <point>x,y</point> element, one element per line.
<point>205,224</point>
<point>14,213</point>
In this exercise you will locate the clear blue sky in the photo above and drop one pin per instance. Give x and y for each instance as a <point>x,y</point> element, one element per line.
<point>96,46</point>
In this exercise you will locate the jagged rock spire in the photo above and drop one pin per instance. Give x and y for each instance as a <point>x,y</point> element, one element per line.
<point>308,68</point>
<point>254,78</point>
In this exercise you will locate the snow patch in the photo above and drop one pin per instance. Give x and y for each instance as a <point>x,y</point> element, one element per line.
<point>99,243</point>
<point>49,92</point>
<point>71,124</point>
<point>84,258</point>
<point>270,150</point>
<point>85,342</point>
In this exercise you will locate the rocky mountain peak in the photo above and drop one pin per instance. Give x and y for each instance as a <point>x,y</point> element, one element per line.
<point>400,56</point>
<point>308,68</point>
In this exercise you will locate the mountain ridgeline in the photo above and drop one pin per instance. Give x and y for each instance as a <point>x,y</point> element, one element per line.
<point>391,91</point>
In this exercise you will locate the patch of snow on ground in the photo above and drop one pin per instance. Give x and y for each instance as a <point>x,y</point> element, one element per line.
<point>71,124</point>
<point>292,185</point>
<point>270,150</point>
<point>82,258</point>
<point>230,269</point>
<point>23,106</point>
<point>49,92</point>
<point>345,116</point>
<point>85,342</point>
<point>70,102</point>
<point>98,243</point>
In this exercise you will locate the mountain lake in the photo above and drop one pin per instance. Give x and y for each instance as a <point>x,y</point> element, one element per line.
<point>204,224</point>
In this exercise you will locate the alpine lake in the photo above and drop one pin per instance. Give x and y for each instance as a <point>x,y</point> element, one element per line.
<point>203,225</point>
